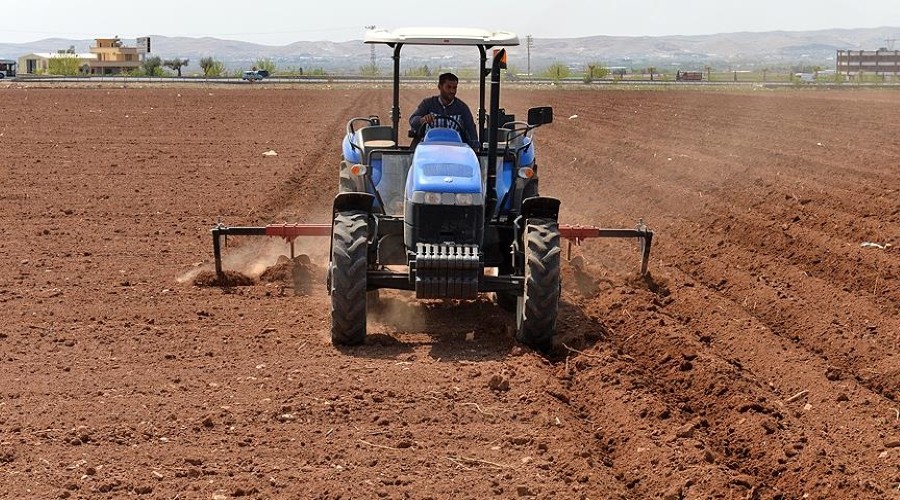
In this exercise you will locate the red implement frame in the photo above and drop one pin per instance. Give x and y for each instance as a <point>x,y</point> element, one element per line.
<point>287,231</point>
<point>574,233</point>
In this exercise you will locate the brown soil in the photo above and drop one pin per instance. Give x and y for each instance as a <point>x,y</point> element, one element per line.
<point>759,361</point>
<point>228,278</point>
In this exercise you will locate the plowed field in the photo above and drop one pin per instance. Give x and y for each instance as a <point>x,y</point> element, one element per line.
<point>759,360</point>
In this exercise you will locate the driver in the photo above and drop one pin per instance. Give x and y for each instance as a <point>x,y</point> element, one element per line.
<point>448,105</point>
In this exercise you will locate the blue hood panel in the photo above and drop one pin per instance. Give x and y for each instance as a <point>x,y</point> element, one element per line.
<point>444,167</point>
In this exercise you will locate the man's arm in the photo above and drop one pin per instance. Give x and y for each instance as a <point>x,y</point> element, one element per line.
<point>471,132</point>
<point>415,120</point>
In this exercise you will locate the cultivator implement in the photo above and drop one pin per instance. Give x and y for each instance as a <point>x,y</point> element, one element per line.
<point>574,235</point>
<point>287,231</point>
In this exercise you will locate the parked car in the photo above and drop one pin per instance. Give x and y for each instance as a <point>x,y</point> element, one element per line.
<point>255,75</point>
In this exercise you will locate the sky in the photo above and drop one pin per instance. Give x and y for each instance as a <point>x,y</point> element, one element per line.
<point>280,22</point>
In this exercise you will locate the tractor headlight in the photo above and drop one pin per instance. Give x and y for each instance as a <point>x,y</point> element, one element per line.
<point>526,172</point>
<point>457,199</point>
<point>465,199</point>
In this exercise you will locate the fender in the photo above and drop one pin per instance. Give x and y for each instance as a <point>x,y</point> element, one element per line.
<point>353,201</point>
<point>544,207</point>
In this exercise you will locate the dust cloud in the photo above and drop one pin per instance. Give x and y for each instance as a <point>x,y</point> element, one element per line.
<point>252,256</point>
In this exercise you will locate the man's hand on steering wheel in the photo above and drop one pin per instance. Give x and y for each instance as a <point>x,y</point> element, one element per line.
<point>430,118</point>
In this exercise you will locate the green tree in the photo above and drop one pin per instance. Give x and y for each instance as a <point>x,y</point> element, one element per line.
<point>266,65</point>
<point>369,70</point>
<point>152,66</point>
<point>211,67</point>
<point>418,71</point>
<point>557,72</point>
<point>176,64</point>
<point>595,70</point>
<point>65,64</point>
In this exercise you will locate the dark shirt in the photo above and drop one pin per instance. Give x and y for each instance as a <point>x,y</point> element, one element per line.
<point>456,109</point>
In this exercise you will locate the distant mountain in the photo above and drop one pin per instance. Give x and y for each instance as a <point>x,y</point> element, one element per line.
<point>776,49</point>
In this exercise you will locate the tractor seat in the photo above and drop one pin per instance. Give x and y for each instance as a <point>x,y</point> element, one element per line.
<point>374,137</point>
<point>379,143</point>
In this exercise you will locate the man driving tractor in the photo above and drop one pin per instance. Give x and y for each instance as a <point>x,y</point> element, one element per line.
<point>431,109</point>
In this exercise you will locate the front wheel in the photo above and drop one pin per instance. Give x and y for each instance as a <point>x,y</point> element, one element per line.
<point>537,316</point>
<point>347,273</point>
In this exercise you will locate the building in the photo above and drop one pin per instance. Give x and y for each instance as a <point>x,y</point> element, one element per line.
<point>113,57</point>
<point>878,62</point>
<point>39,62</point>
<point>108,56</point>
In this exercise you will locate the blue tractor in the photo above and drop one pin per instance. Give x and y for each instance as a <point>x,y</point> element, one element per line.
<point>443,211</point>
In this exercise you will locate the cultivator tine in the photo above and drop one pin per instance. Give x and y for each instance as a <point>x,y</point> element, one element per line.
<point>287,231</point>
<point>576,233</point>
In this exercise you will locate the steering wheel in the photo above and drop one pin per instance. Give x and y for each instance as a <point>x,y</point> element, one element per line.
<point>420,132</point>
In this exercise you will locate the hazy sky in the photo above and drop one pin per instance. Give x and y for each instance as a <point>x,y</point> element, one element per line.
<point>279,22</point>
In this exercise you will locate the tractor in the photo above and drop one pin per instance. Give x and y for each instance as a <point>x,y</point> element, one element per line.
<point>440,217</point>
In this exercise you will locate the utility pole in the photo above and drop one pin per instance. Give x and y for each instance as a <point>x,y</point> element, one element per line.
<point>529,42</point>
<point>890,43</point>
<point>372,46</point>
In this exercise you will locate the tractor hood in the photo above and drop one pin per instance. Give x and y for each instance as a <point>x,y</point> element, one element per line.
<point>444,168</point>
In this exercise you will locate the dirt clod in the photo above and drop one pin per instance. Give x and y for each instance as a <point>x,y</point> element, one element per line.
<point>229,278</point>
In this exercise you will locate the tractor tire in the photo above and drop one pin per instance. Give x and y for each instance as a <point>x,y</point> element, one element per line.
<point>347,272</point>
<point>537,324</point>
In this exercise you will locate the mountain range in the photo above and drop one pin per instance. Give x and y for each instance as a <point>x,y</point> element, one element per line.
<point>726,51</point>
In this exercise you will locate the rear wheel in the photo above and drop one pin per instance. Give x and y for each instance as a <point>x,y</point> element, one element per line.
<point>537,317</point>
<point>347,273</point>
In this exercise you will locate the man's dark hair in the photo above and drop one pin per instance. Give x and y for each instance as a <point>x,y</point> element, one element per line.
<point>447,76</point>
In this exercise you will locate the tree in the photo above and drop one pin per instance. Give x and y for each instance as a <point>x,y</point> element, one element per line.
<point>557,72</point>
<point>595,70</point>
<point>176,64</point>
<point>65,64</point>
<point>369,70</point>
<point>211,67</point>
<point>418,71</point>
<point>265,65</point>
<point>152,66</point>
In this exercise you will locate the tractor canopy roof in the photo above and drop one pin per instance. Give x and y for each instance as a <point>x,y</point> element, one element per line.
<point>468,37</point>
<point>442,36</point>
